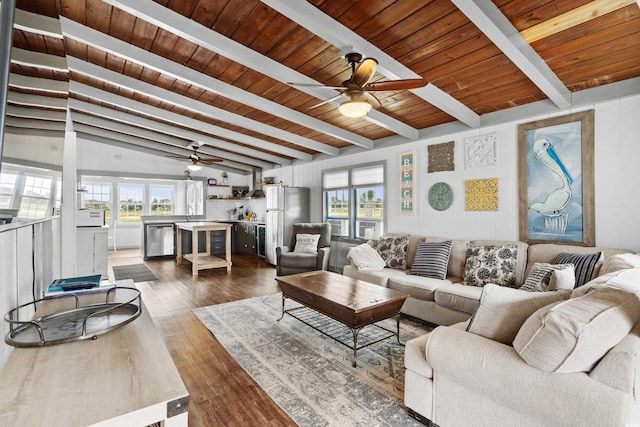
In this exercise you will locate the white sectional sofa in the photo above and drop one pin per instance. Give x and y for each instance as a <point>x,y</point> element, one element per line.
<point>449,301</point>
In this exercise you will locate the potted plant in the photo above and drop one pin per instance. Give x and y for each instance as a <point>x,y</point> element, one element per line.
<point>225,178</point>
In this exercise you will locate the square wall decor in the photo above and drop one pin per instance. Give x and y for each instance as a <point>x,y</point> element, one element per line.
<point>481,194</point>
<point>440,157</point>
<point>480,151</point>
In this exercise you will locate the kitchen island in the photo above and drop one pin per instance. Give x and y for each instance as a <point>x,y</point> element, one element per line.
<point>204,260</point>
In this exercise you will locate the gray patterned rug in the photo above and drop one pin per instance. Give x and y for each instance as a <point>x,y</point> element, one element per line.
<point>307,373</point>
<point>135,272</point>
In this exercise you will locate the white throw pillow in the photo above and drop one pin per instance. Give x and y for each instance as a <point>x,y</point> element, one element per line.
<point>502,311</point>
<point>549,277</point>
<point>366,258</point>
<point>307,243</point>
<point>573,335</point>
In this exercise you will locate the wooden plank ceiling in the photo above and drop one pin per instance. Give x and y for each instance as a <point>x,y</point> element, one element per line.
<point>158,75</point>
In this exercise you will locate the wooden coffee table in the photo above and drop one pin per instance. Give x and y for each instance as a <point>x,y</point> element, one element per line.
<point>352,302</point>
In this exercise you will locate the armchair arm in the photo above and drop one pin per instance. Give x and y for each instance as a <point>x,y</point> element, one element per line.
<point>282,250</point>
<point>322,262</point>
<point>495,371</point>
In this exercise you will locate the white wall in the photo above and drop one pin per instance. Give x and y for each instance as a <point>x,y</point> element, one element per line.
<point>617,176</point>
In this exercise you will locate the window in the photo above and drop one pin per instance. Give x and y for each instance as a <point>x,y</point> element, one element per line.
<point>354,201</point>
<point>35,197</point>
<point>131,202</point>
<point>161,200</point>
<point>7,189</point>
<point>98,196</point>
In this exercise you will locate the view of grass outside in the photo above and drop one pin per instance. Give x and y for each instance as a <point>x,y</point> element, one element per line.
<point>161,200</point>
<point>131,203</point>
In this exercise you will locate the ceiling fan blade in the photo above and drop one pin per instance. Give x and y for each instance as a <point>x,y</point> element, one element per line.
<point>371,99</point>
<point>364,72</point>
<point>314,85</point>
<point>209,161</point>
<point>177,156</point>
<point>326,101</point>
<point>396,84</point>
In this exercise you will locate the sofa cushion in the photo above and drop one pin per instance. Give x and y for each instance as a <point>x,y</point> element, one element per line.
<point>584,265</point>
<point>491,264</point>
<point>502,311</point>
<point>572,335</point>
<point>431,259</point>
<point>457,255</point>
<point>299,260</point>
<point>418,287</point>
<point>619,262</point>
<point>307,243</point>
<point>458,297</point>
<point>364,257</point>
<point>377,277</point>
<point>393,249</point>
<point>549,277</point>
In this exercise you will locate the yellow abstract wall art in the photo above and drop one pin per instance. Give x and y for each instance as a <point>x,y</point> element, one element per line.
<point>481,194</point>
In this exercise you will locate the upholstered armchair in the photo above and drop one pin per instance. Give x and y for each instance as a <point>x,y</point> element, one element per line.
<point>303,254</point>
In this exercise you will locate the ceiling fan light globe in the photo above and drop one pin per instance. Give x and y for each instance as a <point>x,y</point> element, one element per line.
<point>194,167</point>
<point>355,108</point>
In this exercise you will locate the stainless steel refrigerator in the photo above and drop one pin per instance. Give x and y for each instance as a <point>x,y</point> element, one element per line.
<point>285,206</point>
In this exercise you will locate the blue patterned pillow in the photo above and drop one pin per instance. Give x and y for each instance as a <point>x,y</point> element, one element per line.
<point>491,264</point>
<point>431,259</point>
<point>584,264</point>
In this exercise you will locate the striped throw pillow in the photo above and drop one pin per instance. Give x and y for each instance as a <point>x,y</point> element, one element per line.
<point>431,259</point>
<point>585,265</point>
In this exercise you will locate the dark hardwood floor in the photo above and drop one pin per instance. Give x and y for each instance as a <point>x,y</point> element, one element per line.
<point>221,393</point>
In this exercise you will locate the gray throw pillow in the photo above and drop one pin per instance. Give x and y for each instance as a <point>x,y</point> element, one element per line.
<point>431,259</point>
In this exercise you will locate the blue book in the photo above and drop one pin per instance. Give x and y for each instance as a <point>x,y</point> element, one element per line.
<point>75,283</point>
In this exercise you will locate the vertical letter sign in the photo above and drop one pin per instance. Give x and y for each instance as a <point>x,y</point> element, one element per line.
<point>407,182</point>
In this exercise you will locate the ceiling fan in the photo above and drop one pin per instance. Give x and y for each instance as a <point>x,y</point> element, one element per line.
<point>357,87</point>
<point>196,160</point>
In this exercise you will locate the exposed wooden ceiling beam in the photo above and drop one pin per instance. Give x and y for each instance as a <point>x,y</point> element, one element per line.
<point>147,89</point>
<point>38,24</point>
<point>39,101</point>
<point>39,84</point>
<point>180,120</point>
<point>308,16</point>
<point>167,116</point>
<point>490,20</point>
<point>211,40</point>
<point>38,60</point>
<point>572,18</point>
<point>106,129</point>
<point>126,129</point>
<point>142,57</point>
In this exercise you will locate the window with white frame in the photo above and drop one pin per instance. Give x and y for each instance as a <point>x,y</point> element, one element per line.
<point>354,200</point>
<point>98,196</point>
<point>161,200</point>
<point>36,195</point>
<point>7,189</point>
<point>131,200</point>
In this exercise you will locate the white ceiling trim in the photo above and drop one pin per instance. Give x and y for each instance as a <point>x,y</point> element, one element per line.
<point>39,60</point>
<point>36,113</point>
<point>126,128</point>
<point>132,53</point>
<point>18,122</point>
<point>308,16</point>
<point>39,84</point>
<point>41,101</point>
<point>38,24</point>
<point>85,124</point>
<point>490,20</point>
<point>168,116</point>
<point>138,86</point>
<point>190,30</point>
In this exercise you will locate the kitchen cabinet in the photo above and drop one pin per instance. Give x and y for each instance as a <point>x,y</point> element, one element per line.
<point>246,238</point>
<point>219,242</point>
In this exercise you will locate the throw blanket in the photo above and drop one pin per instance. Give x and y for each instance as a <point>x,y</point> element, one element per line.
<point>366,258</point>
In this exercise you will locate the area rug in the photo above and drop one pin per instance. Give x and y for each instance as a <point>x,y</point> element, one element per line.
<point>135,272</point>
<point>309,375</point>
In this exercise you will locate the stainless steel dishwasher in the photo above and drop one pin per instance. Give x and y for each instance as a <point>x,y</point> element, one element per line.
<point>159,240</point>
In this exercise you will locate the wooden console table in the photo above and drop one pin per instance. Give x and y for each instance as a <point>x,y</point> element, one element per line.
<point>124,377</point>
<point>201,261</point>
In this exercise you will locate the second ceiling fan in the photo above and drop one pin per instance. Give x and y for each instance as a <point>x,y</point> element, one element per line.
<point>196,160</point>
<point>357,87</point>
